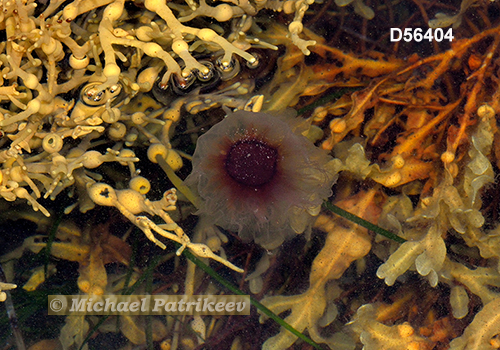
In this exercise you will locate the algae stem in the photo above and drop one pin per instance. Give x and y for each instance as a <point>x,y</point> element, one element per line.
<point>177,182</point>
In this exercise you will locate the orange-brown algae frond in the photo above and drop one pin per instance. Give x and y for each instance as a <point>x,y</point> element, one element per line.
<point>345,243</point>
<point>428,255</point>
<point>443,20</point>
<point>359,7</point>
<point>427,249</point>
<point>376,335</point>
<point>482,333</point>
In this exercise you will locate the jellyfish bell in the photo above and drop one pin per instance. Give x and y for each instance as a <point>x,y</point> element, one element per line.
<point>258,177</point>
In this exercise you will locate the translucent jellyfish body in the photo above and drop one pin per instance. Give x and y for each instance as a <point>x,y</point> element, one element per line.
<point>257,177</point>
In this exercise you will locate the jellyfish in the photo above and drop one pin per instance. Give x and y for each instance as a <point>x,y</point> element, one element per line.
<point>258,176</point>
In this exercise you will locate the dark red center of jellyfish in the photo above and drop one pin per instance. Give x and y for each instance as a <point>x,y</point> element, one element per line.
<point>252,162</point>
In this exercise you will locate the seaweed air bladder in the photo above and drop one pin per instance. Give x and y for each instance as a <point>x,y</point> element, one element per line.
<point>256,175</point>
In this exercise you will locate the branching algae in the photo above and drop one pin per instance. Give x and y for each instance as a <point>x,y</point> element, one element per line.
<point>102,105</point>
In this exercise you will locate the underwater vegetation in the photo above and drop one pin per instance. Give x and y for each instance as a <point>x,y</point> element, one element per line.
<point>144,140</point>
